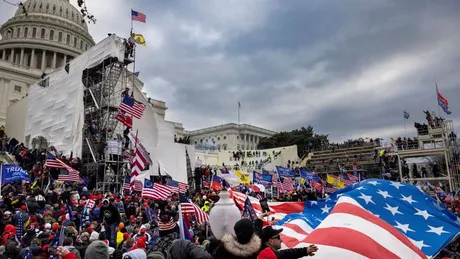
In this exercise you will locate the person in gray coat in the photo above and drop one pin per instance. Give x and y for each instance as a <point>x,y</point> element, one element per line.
<point>184,249</point>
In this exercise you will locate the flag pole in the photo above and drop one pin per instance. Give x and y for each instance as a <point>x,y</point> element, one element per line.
<point>239,112</point>
<point>439,108</point>
<point>405,127</point>
<point>131,22</point>
<point>181,223</point>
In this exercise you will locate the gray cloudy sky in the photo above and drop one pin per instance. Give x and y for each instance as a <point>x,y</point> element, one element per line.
<point>347,67</point>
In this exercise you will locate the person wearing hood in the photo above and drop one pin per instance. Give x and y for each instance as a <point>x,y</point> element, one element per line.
<point>206,207</point>
<point>135,254</point>
<point>244,244</point>
<point>184,249</point>
<point>142,233</point>
<point>97,250</point>
<point>110,216</point>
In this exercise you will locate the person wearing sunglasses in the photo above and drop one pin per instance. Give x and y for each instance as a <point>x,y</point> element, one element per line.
<point>271,242</point>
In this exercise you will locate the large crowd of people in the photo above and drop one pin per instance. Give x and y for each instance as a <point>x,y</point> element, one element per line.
<point>47,219</point>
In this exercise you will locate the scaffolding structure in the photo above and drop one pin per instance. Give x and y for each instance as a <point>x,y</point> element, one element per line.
<point>102,153</point>
<point>437,141</point>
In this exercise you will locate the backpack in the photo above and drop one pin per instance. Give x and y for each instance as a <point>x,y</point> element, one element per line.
<point>163,244</point>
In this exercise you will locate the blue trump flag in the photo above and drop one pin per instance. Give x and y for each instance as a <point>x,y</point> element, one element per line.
<point>12,173</point>
<point>309,175</point>
<point>425,221</point>
<point>285,172</point>
<point>261,178</point>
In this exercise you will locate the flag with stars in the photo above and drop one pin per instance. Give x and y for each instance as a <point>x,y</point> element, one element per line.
<point>393,219</point>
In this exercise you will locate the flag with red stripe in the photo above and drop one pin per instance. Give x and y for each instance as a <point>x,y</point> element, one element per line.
<point>177,187</point>
<point>132,107</point>
<point>367,236</point>
<point>378,218</point>
<point>156,191</point>
<point>69,174</point>
<point>188,207</point>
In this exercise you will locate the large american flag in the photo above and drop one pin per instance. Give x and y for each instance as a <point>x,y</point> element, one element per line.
<point>71,175</point>
<point>188,207</point>
<point>132,107</point>
<point>177,187</point>
<point>378,218</point>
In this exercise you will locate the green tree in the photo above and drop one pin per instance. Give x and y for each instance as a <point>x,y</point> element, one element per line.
<point>300,137</point>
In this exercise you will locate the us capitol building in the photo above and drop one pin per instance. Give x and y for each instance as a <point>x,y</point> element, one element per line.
<point>44,37</point>
<point>50,33</point>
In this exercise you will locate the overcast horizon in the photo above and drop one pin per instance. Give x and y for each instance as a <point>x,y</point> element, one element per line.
<point>347,68</point>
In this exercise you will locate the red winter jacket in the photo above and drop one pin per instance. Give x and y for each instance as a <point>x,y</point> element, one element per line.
<point>70,256</point>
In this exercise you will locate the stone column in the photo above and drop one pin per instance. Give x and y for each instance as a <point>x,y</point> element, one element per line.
<point>65,59</point>
<point>53,65</point>
<point>43,59</point>
<point>4,54</point>
<point>32,59</point>
<point>246,142</point>
<point>21,59</point>
<point>12,56</point>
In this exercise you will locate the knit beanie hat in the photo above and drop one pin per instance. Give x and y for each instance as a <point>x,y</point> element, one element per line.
<point>244,229</point>
<point>135,254</point>
<point>97,249</point>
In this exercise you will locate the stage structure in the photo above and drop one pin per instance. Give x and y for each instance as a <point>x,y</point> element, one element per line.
<point>434,141</point>
<point>75,107</point>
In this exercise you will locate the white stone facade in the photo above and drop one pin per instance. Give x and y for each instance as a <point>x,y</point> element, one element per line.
<point>229,136</point>
<point>50,34</point>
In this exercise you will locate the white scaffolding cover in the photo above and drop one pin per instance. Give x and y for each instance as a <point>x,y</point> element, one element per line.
<point>55,112</point>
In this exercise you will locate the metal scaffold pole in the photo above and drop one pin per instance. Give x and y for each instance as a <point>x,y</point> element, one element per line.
<point>102,152</point>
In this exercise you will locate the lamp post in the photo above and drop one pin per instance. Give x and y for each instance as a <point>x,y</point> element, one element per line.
<point>224,215</point>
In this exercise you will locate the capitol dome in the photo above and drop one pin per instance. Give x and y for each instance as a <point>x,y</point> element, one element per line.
<point>46,36</point>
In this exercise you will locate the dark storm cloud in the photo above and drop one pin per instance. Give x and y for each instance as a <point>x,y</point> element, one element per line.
<point>348,68</point>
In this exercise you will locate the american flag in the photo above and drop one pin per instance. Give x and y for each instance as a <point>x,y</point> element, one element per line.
<point>287,185</point>
<point>316,185</point>
<point>138,163</point>
<point>132,107</point>
<point>347,181</point>
<point>127,183</point>
<point>140,148</point>
<point>353,178</point>
<point>147,190</point>
<point>70,174</point>
<point>328,188</point>
<point>177,187</point>
<point>188,207</point>
<point>156,191</point>
<point>389,219</point>
<point>137,186</point>
<point>138,16</point>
